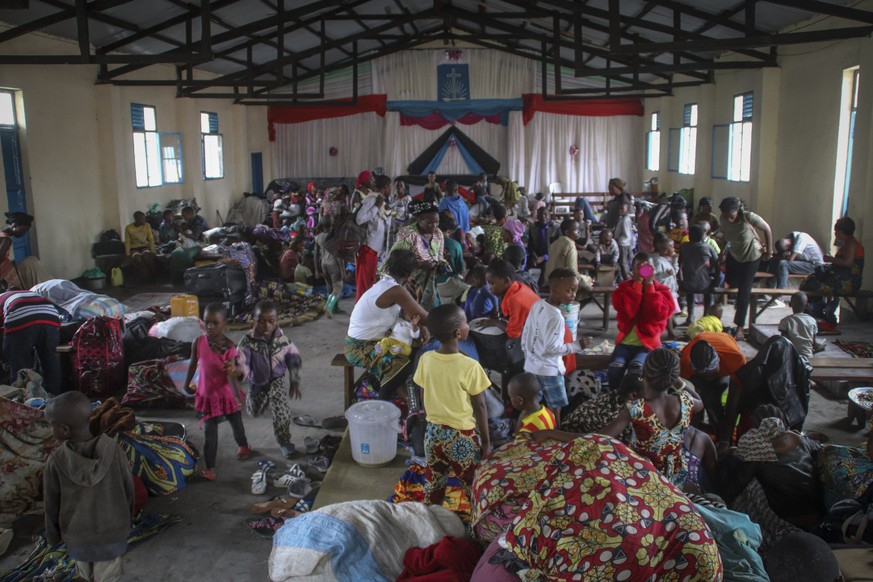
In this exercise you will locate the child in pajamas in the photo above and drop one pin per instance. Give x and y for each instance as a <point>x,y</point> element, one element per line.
<point>265,355</point>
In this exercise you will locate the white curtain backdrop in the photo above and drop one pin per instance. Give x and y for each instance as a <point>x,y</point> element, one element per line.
<point>493,75</point>
<point>302,149</point>
<point>539,152</point>
<point>405,143</point>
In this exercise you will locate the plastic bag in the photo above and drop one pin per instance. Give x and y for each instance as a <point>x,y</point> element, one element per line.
<point>183,329</point>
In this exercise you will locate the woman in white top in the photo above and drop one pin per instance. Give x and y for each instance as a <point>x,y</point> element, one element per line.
<point>375,314</point>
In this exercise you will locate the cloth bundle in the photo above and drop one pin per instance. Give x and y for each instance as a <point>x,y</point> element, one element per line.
<point>110,418</point>
<point>450,560</point>
<point>357,540</point>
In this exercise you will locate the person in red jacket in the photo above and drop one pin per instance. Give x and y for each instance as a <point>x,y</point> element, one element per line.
<point>642,307</point>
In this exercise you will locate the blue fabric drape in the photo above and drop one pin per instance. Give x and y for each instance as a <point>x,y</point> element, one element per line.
<point>453,110</point>
<point>471,162</point>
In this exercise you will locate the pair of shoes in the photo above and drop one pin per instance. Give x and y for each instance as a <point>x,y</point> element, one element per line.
<point>261,476</point>
<point>305,420</point>
<point>293,473</point>
<point>311,443</point>
<point>243,453</point>
<point>288,450</point>
<point>208,474</point>
<point>299,488</point>
<point>320,462</point>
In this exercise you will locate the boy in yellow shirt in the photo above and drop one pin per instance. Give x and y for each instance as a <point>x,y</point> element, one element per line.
<point>456,438</point>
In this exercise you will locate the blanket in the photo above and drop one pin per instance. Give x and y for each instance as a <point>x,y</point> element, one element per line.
<point>79,303</point>
<point>26,441</point>
<point>450,560</point>
<point>356,540</point>
<point>292,309</point>
<point>856,349</point>
<point>602,512</point>
<point>410,487</point>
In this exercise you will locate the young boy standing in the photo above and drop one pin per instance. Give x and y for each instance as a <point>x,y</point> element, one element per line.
<point>800,327</point>
<point>624,236</point>
<point>265,355</point>
<point>456,438</point>
<point>88,491</point>
<point>543,340</point>
<point>524,394</point>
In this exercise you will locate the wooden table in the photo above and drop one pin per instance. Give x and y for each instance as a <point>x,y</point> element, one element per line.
<point>606,292</point>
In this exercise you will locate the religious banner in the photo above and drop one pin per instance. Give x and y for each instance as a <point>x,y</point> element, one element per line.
<point>453,82</point>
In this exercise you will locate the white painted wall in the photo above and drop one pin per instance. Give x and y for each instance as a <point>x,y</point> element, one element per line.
<point>79,151</point>
<point>796,123</point>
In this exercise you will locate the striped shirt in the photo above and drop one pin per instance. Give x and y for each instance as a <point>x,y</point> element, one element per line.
<point>21,309</point>
<point>543,419</point>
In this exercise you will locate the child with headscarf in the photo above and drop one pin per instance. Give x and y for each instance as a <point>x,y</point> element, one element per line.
<point>513,232</point>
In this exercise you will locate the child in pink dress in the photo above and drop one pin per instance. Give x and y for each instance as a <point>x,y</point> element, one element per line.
<point>218,393</point>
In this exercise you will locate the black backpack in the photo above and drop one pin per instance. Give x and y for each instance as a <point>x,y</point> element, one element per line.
<point>346,237</point>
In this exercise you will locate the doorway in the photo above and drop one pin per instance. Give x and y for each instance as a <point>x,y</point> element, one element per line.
<point>13,167</point>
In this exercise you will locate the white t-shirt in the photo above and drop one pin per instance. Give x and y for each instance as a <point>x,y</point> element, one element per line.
<point>369,321</point>
<point>403,332</point>
<point>542,340</point>
<point>800,329</point>
<point>806,248</point>
<point>372,216</point>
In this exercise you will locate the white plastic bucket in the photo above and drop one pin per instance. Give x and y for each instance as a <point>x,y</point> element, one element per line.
<point>571,316</point>
<point>373,428</point>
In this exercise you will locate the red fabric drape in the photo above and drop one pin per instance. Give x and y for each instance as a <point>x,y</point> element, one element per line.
<point>436,121</point>
<point>591,107</point>
<point>285,114</point>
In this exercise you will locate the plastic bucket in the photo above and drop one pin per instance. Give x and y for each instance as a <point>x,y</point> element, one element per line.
<point>571,317</point>
<point>373,428</point>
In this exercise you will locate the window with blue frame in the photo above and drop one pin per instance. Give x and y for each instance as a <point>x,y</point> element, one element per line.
<point>157,156</point>
<point>211,142</point>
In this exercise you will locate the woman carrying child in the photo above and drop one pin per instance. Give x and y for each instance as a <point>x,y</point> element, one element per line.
<point>218,389</point>
<point>424,238</point>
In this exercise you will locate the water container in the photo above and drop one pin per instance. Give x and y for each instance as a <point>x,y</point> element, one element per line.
<point>373,428</point>
<point>571,317</point>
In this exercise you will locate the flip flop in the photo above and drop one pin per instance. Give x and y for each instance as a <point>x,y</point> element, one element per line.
<point>305,420</point>
<point>335,423</point>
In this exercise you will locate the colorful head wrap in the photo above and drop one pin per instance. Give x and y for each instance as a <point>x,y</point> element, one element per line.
<point>515,228</point>
<point>310,186</point>
<point>756,445</point>
<point>419,207</point>
<point>363,178</point>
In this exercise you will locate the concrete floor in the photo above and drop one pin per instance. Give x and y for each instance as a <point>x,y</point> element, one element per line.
<point>212,539</point>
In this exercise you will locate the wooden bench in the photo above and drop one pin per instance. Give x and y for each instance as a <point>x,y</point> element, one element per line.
<point>349,381</point>
<point>848,369</point>
<point>592,361</point>
<point>772,294</point>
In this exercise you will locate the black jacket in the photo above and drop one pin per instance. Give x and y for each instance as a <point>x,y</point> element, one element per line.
<point>777,375</point>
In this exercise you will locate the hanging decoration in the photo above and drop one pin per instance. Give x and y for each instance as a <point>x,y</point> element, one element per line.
<point>454,55</point>
<point>333,151</point>
<point>574,151</point>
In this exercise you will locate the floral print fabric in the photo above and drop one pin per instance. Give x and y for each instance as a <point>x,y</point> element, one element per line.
<point>602,512</point>
<point>661,445</point>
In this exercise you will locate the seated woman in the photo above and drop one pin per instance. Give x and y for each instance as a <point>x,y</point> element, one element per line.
<point>783,463</point>
<point>139,244</point>
<point>845,472</point>
<point>22,274</point>
<point>374,315</point>
<point>842,276</point>
<point>659,419</point>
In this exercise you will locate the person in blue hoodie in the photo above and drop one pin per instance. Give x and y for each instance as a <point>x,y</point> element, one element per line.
<point>454,203</point>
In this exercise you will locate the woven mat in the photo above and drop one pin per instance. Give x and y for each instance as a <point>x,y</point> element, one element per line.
<point>856,349</point>
<point>297,311</point>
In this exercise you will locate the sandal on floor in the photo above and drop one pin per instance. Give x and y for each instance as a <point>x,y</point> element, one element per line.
<point>274,503</point>
<point>264,527</point>
<point>284,512</point>
<point>288,450</point>
<point>334,423</point>
<point>320,462</point>
<point>305,420</point>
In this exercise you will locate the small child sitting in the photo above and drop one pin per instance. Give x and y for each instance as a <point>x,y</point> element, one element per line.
<point>303,271</point>
<point>711,321</point>
<point>800,328</point>
<point>679,233</point>
<point>457,437</point>
<point>88,491</point>
<point>404,332</point>
<point>480,302</point>
<point>524,395</point>
<point>607,249</point>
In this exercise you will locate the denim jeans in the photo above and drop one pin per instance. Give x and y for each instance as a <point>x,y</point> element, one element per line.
<point>18,347</point>
<point>783,268</point>
<point>625,359</point>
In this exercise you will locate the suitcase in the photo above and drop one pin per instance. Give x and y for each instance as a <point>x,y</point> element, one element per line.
<point>235,304</point>
<point>217,281</point>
